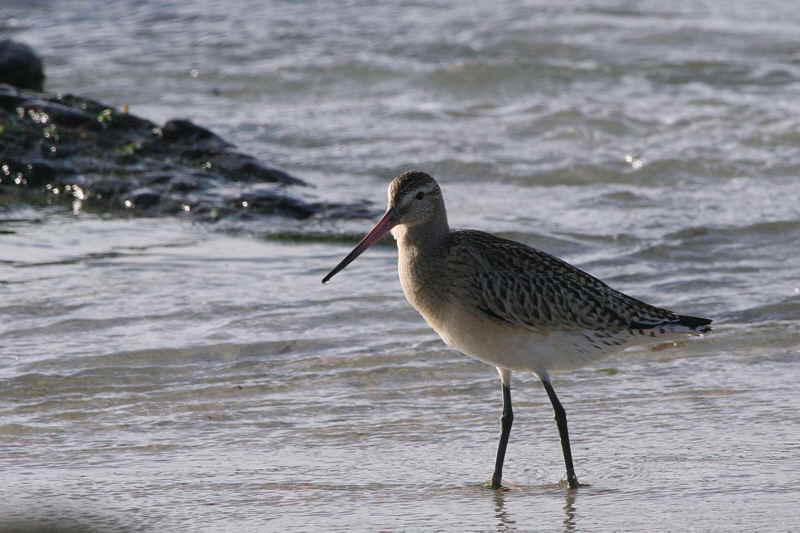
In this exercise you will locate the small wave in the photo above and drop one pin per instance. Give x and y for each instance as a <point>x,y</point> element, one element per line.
<point>719,74</point>
<point>758,228</point>
<point>786,310</point>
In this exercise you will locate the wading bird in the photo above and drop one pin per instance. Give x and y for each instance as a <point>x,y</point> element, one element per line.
<point>508,304</point>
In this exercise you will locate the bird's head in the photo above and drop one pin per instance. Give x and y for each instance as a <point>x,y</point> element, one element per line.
<point>413,198</point>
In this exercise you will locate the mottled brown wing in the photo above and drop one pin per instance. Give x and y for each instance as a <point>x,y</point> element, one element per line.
<point>519,285</point>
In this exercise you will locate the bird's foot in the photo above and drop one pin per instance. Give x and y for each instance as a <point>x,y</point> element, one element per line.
<point>572,484</point>
<point>494,485</point>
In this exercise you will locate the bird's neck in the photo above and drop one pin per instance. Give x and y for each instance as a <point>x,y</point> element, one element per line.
<point>420,239</point>
<point>420,261</point>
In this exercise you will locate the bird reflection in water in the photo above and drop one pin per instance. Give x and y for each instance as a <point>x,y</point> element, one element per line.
<point>506,524</point>
<point>569,511</point>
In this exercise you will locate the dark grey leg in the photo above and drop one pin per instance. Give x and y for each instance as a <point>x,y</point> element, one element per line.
<point>505,425</point>
<point>561,422</point>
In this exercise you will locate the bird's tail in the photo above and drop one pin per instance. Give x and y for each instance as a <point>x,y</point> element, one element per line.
<point>670,325</point>
<point>696,324</point>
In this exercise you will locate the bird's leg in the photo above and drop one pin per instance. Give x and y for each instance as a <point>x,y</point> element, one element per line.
<point>505,425</point>
<point>561,422</point>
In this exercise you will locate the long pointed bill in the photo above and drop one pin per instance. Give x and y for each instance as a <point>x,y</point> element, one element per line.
<point>381,228</point>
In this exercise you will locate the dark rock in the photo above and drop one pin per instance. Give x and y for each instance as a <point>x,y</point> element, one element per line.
<point>192,136</point>
<point>20,66</point>
<point>267,202</point>
<point>108,190</point>
<point>245,168</point>
<point>61,148</point>
<point>144,198</point>
<point>181,185</point>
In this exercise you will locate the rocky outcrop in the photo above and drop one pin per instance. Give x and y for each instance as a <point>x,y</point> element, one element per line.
<point>64,148</point>
<point>20,66</point>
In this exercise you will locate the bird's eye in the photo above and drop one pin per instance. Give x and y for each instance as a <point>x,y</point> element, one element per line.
<point>420,195</point>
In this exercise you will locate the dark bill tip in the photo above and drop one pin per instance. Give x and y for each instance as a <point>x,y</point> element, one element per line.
<point>379,230</point>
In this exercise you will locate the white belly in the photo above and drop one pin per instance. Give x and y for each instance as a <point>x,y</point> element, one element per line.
<point>514,347</point>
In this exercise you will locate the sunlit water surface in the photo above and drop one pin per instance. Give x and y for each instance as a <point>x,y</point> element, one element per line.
<point>161,375</point>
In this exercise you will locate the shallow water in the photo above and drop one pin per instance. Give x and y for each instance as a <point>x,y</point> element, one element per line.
<point>159,375</point>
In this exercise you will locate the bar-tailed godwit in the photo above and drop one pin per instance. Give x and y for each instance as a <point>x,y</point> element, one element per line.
<point>508,304</point>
